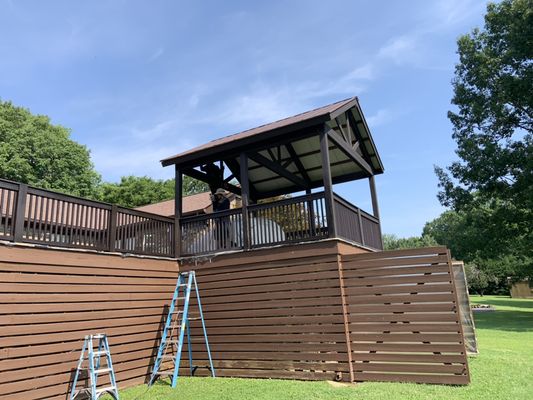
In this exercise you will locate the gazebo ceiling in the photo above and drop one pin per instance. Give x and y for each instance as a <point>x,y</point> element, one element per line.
<point>284,156</point>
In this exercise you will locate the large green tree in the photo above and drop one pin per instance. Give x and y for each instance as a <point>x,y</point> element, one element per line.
<point>493,126</point>
<point>133,191</point>
<point>36,152</point>
<point>393,242</point>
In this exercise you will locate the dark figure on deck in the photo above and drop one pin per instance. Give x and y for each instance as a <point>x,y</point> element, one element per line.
<point>215,176</point>
<point>222,224</point>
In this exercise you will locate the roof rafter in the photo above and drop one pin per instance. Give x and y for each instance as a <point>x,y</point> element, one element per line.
<point>298,163</point>
<point>278,168</point>
<point>193,173</point>
<point>349,151</point>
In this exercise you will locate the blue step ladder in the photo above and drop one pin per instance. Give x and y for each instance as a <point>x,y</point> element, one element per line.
<point>95,369</point>
<point>176,326</point>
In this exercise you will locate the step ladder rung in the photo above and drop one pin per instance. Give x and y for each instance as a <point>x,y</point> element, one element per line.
<point>102,370</point>
<point>105,389</point>
<point>99,353</point>
<point>167,373</point>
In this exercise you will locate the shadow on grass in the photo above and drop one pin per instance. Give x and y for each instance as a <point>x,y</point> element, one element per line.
<point>516,321</point>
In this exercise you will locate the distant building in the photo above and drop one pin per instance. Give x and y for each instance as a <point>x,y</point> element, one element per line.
<point>195,204</point>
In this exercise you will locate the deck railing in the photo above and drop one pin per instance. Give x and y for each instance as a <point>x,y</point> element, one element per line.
<point>356,225</point>
<point>291,220</point>
<point>38,216</point>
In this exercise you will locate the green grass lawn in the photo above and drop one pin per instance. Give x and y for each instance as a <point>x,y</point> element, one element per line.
<point>502,370</point>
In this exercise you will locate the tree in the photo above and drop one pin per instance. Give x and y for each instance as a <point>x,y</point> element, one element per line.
<point>493,127</point>
<point>393,242</point>
<point>36,152</point>
<point>134,191</point>
<point>478,281</point>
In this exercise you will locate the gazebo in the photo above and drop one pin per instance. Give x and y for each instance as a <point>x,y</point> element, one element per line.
<point>269,166</point>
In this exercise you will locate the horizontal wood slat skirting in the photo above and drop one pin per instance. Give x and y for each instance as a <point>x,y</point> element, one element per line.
<point>266,310</point>
<point>403,315</point>
<point>313,311</point>
<point>50,299</point>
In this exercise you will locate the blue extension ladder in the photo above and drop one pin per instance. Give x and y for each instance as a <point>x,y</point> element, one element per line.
<point>95,368</point>
<point>176,326</point>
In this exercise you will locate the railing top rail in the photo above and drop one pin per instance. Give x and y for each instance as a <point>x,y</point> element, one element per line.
<point>5,184</point>
<point>353,207</point>
<point>144,214</point>
<point>213,215</point>
<point>290,200</point>
<point>67,197</point>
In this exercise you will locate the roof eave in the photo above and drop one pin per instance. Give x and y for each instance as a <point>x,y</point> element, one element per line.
<point>231,146</point>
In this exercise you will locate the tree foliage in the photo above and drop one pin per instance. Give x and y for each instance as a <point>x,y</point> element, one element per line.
<point>491,186</point>
<point>36,152</point>
<point>133,191</point>
<point>393,242</point>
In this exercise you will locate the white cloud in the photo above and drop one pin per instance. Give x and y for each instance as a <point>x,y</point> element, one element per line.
<point>114,162</point>
<point>400,49</point>
<point>364,72</point>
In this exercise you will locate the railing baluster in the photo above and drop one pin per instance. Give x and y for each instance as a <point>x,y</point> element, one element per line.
<point>18,233</point>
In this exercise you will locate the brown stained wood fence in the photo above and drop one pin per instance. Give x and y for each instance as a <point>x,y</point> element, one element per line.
<point>403,317</point>
<point>273,314</point>
<point>31,215</point>
<point>322,314</point>
<point>311,311</point>
<point>50,299</point>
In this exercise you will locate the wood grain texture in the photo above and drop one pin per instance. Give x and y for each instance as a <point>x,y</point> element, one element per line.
<point>50,299</point>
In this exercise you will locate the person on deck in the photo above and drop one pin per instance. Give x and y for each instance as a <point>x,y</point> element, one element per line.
<point>222,225</point>
<point>220,201</point>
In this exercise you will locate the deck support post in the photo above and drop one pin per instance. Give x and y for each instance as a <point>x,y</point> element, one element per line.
<point>245,196</point>
<point>18,231</point>
<point>328,185</point>
<point>375,207</point>
<point>178,193</point>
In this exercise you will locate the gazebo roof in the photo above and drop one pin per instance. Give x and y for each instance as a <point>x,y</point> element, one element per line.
<point>285,155</point>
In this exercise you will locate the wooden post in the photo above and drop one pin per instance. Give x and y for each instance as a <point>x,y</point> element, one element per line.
<point>245,196</point>
<point>112,227</point>
<point>375,207</point>
<point>178,209</point>
<point>326,177</point>
<point>311,209</point>
<point>18,233</point>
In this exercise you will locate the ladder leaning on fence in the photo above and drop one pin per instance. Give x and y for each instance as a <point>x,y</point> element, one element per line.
<point>176,327</point>
<point>95,369</point>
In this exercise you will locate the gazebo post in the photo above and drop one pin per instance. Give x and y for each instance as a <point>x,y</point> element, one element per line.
<point>328,185</point>
<point>178,201</point>
<point>245,198</point>
<point>375,207</point>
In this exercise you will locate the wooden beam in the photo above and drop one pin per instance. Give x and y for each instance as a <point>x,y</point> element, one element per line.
<point>234,167</point>
<point>328,185</point>
<point>357,134</point>
<point>298,163</point>
<point>278,169</point>
<point>348,150</point>
<point>193,173</point>
<point>243,162</point>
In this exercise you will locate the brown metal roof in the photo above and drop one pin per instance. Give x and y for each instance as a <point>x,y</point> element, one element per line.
<point>282,123</point>
<point>284,156</point>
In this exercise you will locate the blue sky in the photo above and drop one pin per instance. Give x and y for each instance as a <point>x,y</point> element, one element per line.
<point>137,81</point>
